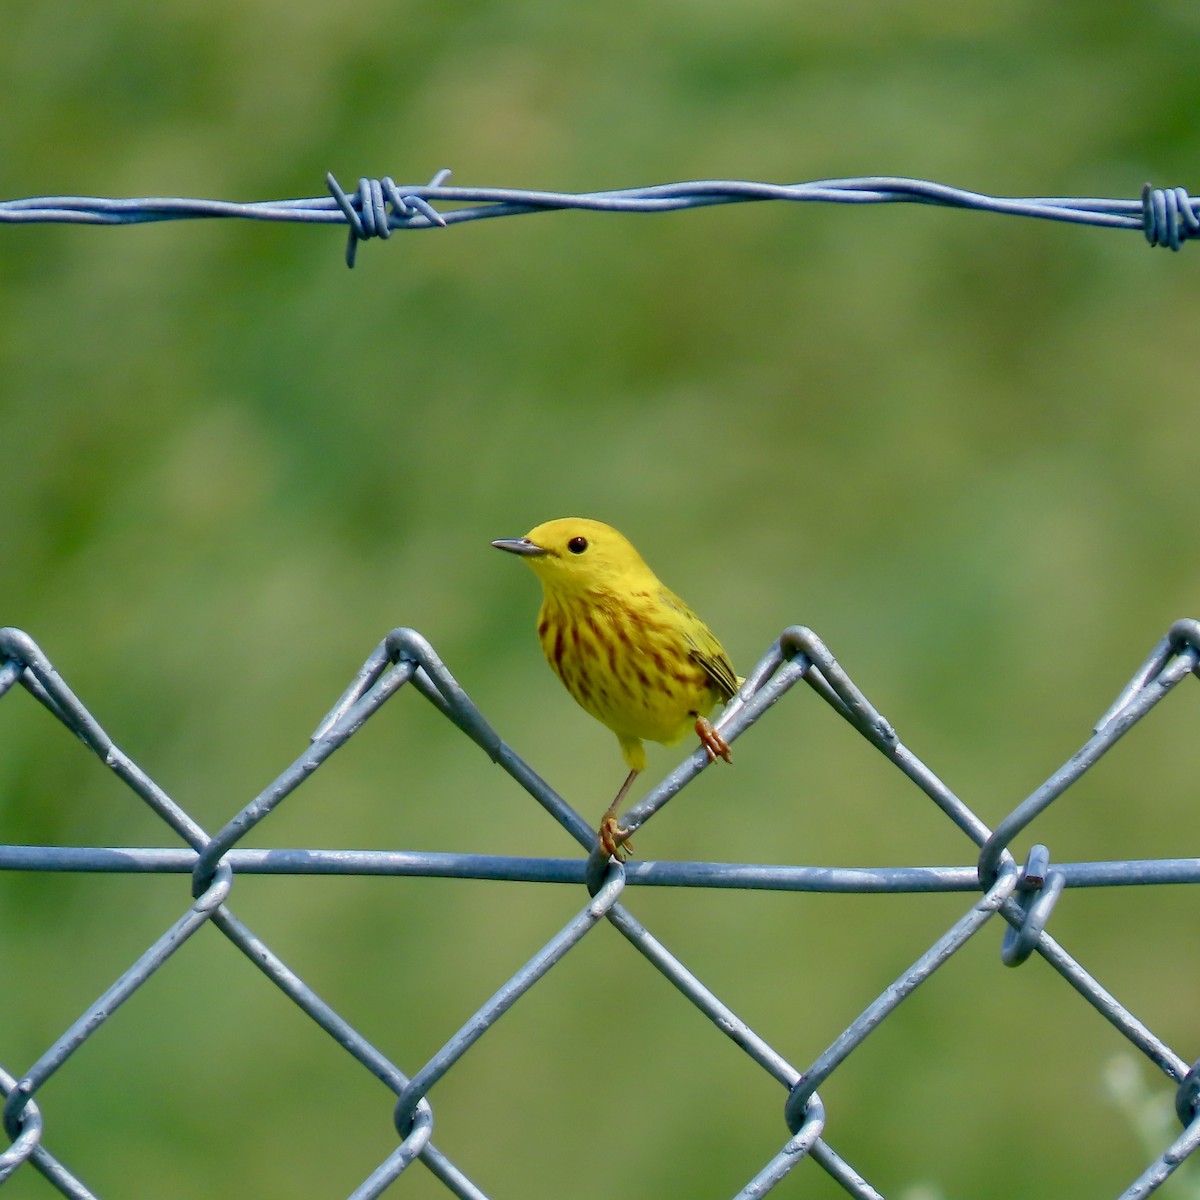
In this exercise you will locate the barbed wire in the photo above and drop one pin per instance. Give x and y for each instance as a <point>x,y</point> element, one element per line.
<point>380,207</point>
<point>1023,896</point>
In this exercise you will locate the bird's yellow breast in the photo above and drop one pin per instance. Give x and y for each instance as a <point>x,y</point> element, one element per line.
<point>629,661</point>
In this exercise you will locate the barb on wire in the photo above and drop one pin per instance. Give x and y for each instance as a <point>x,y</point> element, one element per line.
<point>379,207</point>
<point>1024,897</point>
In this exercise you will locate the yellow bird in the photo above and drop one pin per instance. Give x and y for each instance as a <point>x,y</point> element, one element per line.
<point>628,649</point>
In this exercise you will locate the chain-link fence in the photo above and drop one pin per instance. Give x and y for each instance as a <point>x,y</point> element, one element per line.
<point>1021,894</point>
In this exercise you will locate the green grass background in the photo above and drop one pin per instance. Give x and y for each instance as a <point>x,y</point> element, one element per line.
<point>960,447</point>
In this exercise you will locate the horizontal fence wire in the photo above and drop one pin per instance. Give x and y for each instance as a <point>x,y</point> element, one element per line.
<point>379,207</point>
<point>1021,895</point>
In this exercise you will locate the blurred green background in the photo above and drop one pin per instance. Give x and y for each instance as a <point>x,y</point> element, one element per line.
<point>960,447</point>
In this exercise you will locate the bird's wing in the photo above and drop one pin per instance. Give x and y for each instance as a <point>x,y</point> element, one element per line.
<point>703,647</point>
<point>715,663</point>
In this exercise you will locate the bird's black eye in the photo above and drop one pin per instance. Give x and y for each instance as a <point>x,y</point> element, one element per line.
<point>577,545</point>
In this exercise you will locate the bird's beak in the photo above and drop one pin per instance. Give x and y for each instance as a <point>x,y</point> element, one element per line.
<point>521,546</point>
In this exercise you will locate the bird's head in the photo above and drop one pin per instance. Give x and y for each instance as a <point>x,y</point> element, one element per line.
<point>574,554</point>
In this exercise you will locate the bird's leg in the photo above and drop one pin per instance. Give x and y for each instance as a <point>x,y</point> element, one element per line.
<point>614,840</point>
<point>715,746</point>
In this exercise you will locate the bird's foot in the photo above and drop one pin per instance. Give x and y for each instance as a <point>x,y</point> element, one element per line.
<point>614,840</point>
<point>715,746</point>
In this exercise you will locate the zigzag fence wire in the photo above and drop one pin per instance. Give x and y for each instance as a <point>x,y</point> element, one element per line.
<point>379,207</point>
<point>1022,895</point>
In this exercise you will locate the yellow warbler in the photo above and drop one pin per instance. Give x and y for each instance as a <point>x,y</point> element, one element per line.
<point>628,649</point>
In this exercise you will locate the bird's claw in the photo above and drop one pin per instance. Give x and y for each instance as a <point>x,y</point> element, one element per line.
<point>715,746</point>
<point>614,840</point>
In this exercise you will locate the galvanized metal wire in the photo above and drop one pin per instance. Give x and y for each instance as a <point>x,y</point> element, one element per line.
<point>379,207</point>
<point>1022,895</point>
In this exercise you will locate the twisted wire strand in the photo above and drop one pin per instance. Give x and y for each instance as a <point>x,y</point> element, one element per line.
<point>378,207</point>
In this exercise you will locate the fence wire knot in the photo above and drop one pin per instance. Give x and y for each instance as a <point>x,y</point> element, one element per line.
<point>1187,1096</point>
<point>1168,216</point>
<point>22,1121</point>
<point>1043,886</point>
